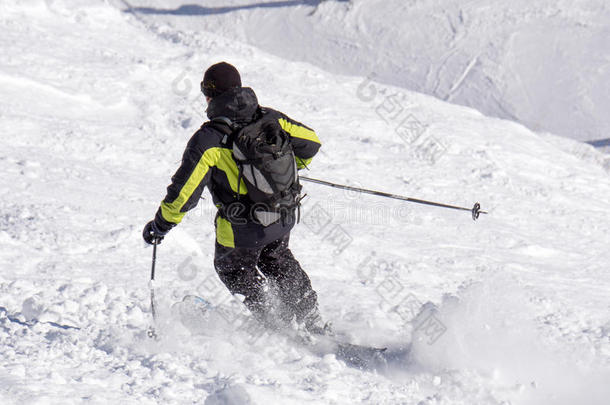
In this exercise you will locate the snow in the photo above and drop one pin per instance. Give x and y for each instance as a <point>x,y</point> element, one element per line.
<point>543,63</point>
<point>96,108</point>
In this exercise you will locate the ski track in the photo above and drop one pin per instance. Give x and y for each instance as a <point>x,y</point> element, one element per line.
<point>97,105</point>
<point>543,63</point>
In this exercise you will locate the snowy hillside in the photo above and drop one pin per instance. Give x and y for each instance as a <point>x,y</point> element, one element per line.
<point>96,107</point>
<point>544,63</point>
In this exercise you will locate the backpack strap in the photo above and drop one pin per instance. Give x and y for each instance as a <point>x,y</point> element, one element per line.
<point>223,125</point>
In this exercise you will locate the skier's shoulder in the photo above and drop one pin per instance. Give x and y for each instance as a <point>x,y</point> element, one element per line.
<point>285,121</point>
<point>271,113</point>
<point>207,136</point>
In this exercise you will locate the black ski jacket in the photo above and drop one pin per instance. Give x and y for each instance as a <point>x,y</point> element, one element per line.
<point>208,161</point>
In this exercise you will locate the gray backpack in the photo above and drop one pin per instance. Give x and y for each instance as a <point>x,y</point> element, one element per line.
<point>266,162</point>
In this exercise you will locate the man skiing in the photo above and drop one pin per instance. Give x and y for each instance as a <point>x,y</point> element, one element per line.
<point>253,225</point>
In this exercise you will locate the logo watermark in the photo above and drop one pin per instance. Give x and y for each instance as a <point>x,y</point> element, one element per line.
<point>396,113</point>
<point>320,222</point>
<point>395,298</point>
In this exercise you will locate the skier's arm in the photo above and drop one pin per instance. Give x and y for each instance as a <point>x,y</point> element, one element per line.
<point>305,142</point>
<point>188,182</point>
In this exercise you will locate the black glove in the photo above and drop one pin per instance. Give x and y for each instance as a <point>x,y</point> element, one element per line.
<point>152,232</point>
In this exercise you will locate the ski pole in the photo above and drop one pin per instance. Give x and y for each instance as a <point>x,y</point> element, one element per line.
<point>152,333</point>
<point>476,210</point>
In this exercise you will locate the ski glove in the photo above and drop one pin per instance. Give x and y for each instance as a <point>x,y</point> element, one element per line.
<point>151,232</point>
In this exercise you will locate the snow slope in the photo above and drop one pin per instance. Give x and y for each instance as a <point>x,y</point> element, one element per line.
<point>544,63</point>
<point>96,108</point>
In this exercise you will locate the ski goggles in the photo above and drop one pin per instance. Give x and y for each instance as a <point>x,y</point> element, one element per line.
<point>207,91</point>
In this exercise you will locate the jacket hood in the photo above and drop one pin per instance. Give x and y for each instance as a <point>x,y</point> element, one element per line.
<point>238,104</point>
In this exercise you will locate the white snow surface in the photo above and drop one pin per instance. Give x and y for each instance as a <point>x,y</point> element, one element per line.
<point>544,63</point>
<point>96,107</point>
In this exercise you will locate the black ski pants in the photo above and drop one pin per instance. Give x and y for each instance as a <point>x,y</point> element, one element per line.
<point>274,285</point>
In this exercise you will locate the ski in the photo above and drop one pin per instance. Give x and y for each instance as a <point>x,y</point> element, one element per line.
<point>360,356</point>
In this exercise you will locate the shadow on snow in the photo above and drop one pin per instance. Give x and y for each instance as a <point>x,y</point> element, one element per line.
<point>195,10</point>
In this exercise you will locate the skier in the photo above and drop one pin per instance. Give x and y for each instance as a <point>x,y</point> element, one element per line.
<point>251,256</point>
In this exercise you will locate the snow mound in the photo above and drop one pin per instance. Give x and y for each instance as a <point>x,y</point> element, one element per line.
<point>542,63</point>
<point>233,395</point>
<point>499,336</point>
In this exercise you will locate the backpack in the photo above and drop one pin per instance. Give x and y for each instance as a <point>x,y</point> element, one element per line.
<point>266,162</point>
